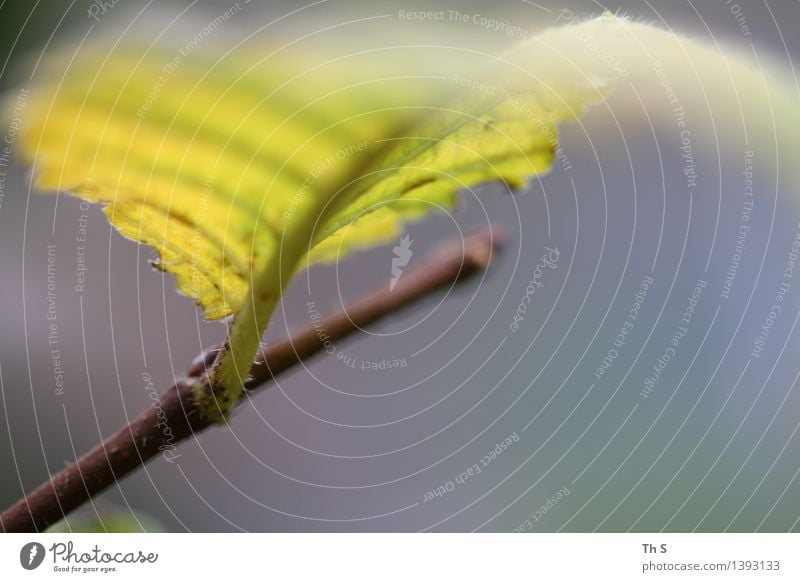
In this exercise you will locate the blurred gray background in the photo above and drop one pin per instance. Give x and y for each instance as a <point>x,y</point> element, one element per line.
<point>332,448</point>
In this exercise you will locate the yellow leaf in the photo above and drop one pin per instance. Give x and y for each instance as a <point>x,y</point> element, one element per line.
<point>240,169</point>
<point>207,160</point>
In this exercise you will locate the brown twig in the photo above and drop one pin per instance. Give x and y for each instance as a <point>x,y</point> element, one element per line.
<point>175,417</point>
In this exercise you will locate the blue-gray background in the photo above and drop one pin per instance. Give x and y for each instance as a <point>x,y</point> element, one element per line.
<point>332,448</point>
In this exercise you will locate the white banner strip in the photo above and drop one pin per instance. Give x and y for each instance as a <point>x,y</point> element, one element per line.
<point>401,557</point>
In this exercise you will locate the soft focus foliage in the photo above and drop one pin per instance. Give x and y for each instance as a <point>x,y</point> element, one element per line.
<point>208,159</point>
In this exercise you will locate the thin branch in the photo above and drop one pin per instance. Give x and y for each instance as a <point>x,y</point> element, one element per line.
<point>175,416</point>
